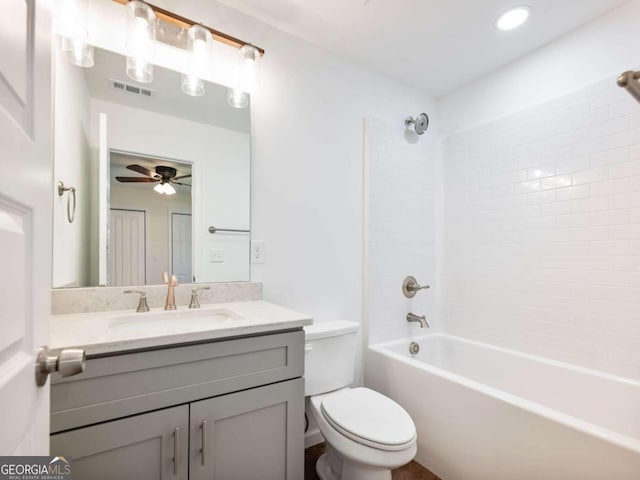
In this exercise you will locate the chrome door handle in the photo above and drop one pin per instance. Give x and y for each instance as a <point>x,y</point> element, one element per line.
<point>176,441</point>
<point>71,361</point>
<point>204,441</point>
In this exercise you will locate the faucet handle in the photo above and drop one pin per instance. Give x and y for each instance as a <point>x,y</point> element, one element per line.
<point>169,280</point>
<point>143,306</point>
<point>410,287</point>
<point>195,302</point>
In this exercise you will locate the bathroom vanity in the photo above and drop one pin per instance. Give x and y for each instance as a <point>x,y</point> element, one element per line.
<point>165,397</point>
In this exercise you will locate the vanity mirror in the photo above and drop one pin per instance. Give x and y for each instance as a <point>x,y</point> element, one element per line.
<point>148,171</point>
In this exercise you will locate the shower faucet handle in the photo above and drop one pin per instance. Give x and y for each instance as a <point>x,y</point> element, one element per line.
<point>410,287</point>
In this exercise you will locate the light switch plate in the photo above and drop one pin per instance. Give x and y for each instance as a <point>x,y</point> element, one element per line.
<point>257,252</point>
<point>216,255</point>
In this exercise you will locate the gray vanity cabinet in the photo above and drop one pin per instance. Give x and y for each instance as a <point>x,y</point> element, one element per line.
<point>151,446</point>
<point>140,415</point>
<point>249,435</point>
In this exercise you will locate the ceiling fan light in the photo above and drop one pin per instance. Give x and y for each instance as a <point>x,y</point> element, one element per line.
<point>164,189</point>
<point>168,189</point>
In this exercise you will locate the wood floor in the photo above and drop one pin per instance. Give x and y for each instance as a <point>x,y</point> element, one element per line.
<point>411,471</point>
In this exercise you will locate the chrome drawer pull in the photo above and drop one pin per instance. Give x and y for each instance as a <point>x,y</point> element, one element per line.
<point>176,441</point>
<point>204,441</point>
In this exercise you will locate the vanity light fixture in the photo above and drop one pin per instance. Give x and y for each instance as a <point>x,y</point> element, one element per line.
<point>164,189</point>
<point>69,22</point>
<point>199,60</point>
<point>141,40</point>
<point>238,96</point>
<point>239,93</point>
<point>513,18</point>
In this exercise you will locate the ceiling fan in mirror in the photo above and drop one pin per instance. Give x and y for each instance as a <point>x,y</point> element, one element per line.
<point>164,175</point>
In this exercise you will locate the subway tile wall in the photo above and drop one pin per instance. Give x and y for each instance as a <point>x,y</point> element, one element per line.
<point>400,228</point>
<point>541,231</point>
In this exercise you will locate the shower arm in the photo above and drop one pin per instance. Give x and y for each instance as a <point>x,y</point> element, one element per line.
<point>629,81</point>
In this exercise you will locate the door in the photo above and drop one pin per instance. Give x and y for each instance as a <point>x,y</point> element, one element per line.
<point>181,247</point>
<point>26,192</point>
<point>127,251</point>
<point>151,446</point>
<point>103,191</point>
<point>256,434</point>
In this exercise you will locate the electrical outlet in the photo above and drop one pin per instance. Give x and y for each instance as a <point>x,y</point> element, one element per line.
<point>216,255</point>
<point>257,252</point>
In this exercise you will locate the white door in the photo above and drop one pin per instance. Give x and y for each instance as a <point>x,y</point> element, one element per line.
<point>26,192</point>
<point>181,247</point>
<point>104,192</point>
<point>127,252</point>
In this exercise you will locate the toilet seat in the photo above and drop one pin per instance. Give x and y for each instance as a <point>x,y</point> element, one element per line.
<point>370,419</point>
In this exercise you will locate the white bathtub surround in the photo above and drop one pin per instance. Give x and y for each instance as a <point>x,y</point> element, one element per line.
<point>485,412</point>
<point>109,332</point>
<point>400,180</point>
<point>541,234</point>
<point>98,299</point>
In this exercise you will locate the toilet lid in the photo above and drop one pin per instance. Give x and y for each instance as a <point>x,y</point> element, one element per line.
<point>369,418</point>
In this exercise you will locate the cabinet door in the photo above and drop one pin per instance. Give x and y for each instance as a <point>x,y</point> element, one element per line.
<point>256,434</point>
<point>152,446</point>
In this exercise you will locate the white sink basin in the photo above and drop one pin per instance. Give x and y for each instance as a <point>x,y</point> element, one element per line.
<point>171,322</point>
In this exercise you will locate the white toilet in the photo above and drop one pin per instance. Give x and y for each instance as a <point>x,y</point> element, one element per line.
<point>367,434</point>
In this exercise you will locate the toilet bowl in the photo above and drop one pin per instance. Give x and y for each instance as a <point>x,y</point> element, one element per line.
<point>366,433</point>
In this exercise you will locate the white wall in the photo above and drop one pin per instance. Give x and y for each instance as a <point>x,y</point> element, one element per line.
<point>540,243</point>
<point>157,209</point>
<point>220,161</point>
<point>400,228</point>
<point>72,165</point>
<point>307,157</point>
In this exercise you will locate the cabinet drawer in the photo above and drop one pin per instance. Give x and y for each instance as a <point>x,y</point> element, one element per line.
<point>122,385</point>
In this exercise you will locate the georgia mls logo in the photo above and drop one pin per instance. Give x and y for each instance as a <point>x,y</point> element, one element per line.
<point>35,468</point>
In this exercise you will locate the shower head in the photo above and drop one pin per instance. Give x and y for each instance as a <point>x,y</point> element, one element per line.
<point>420,123</point>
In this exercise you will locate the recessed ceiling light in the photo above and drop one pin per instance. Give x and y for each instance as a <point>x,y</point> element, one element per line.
<point>513,18</point>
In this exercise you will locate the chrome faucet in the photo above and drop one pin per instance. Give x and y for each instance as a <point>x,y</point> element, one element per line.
<point>421,319</point>
<point>195,302</point>
<point>172,282</point>
<point>142,303</point>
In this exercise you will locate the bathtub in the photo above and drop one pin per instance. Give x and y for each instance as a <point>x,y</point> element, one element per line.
<point>485,412</point>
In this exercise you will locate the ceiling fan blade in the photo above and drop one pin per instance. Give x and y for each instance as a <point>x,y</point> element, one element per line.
<point>179,183</point>
<point>136,180</point>
<point>181,176</point>
<point>142,170</point>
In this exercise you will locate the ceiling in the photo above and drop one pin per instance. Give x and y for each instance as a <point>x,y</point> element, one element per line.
<point>436,45</point>
<point>167,97</point>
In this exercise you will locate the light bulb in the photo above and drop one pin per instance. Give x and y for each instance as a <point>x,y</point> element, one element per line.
<point>69,22</point>
<point>199,60</point>
<point>237,98</point>
<point>164,189</point>
<point>513,18</point>
<point>238,95</point>
<point>141,39</point>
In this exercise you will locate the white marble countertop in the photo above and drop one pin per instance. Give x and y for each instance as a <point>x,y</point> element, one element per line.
<point>119,331</point>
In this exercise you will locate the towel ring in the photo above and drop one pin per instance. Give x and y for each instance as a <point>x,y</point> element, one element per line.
<point>71,212</point>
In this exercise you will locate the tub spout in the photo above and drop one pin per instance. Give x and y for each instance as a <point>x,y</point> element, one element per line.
<point>421,319</point>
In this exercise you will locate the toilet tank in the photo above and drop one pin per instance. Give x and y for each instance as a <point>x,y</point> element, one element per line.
<point>329,356</point>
